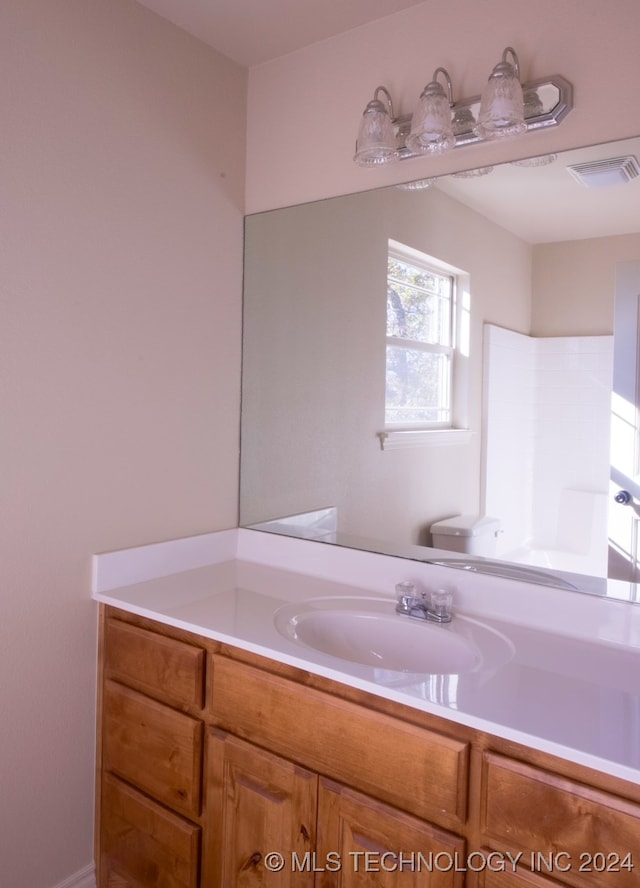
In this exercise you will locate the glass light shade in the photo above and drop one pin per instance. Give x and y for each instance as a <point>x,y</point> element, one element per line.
<point>416,185</point>
<point>533,106</point>
<point>542,160</point>
<point>376,142</point>
<point>473,174</point>
<point>501,105</point>
<point>463,120</point>
<point>431,129</point>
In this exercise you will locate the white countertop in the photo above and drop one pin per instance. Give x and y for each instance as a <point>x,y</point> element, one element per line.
<point>571,688</point>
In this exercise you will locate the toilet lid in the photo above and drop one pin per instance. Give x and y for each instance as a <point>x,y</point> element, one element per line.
<point>466,525</point>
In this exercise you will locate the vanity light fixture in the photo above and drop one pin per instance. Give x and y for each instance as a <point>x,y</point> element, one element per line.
<point>376,142</point>
<point>506,108</point>
<point>431,124</point>
<point>502,103</point>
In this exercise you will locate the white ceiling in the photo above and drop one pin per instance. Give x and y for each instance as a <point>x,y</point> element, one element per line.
<point>543,204</point>
<point>254,31</point>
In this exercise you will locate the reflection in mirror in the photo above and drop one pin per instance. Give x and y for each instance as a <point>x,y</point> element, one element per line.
<point>543,267</point>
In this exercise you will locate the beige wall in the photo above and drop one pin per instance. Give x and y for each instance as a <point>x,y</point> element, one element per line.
<point>574,284</point>
<point>122,200</point>
<point>314,359</point>
<point>304,108</point>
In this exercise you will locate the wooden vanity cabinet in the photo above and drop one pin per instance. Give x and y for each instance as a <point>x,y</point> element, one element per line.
<point>210,757</point>
<point>327,832</point>
<point>151,740</point>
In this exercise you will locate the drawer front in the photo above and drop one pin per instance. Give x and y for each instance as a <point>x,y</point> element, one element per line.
<point>143,844</point>
<point>570,832</point>
<point>154,747</point>
<point>164,668</point>
<point>412,768</point>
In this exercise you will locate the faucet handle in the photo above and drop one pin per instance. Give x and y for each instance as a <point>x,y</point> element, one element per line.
<point>441,602</point>
<point>406,595</point>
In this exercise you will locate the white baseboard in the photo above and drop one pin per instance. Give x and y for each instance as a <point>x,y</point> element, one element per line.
<point>84,878</point>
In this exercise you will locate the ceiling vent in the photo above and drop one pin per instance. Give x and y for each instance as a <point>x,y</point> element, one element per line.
<point>601,173</point>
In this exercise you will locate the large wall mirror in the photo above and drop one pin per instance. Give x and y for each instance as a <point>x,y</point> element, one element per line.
<point>545,263</point>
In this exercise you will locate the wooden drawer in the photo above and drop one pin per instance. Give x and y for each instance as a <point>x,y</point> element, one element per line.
<point>154,747</point>
<point>565,830</point>
<point>417,770</point>
<point>143,844</point>
<point>164,668</point>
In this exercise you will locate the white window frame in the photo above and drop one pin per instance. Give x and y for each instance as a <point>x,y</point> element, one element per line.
<point>454,430</point>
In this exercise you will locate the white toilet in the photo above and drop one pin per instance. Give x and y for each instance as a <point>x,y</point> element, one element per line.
<point>472,534</point>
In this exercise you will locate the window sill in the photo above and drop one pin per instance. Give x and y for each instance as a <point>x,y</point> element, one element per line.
<point>423,438</point>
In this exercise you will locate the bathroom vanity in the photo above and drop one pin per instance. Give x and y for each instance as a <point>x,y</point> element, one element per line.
<point>233,751</point>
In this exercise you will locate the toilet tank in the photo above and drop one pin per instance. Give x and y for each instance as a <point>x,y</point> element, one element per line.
<point>471,534</point>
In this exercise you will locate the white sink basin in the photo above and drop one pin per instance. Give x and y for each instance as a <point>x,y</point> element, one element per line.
<point>369,632</point>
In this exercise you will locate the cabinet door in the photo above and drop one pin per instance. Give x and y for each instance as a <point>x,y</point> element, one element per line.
<point>256,804</point>
<point>364,842</point>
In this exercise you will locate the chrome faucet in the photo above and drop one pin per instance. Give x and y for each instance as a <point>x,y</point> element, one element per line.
<point>434,607</point>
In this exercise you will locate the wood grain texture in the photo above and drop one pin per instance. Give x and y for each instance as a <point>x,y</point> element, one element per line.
<point>379,845</point>
<point>154,747</point>
<point>256,803</point>
<point>510,878</point>
<point>164,668</point>
<point>570,831</point>
<point>414,769</point>
<point>143,844</point>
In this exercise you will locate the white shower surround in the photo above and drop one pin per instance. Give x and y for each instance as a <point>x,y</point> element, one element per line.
<point>546,447</point>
